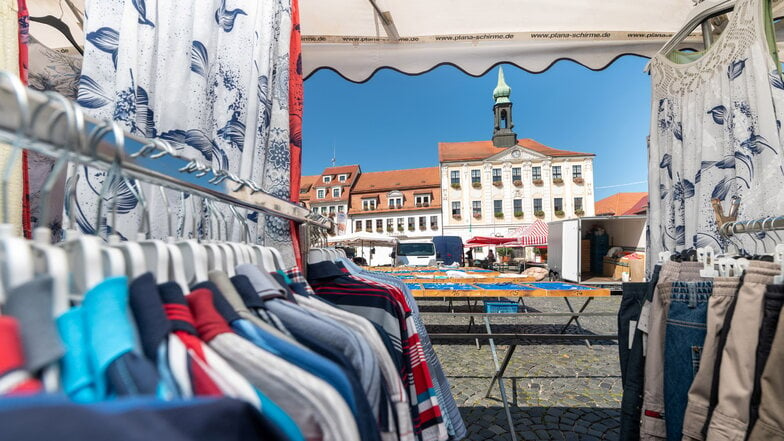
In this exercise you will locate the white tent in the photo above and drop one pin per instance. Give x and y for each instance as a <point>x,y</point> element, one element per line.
<point>362,239</point>
<point>358,37</point>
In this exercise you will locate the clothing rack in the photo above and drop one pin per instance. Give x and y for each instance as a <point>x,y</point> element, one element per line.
<point>733,228</point>
<point>49,124</point>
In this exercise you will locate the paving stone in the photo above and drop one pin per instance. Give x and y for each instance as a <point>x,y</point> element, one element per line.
<point>558,390</point>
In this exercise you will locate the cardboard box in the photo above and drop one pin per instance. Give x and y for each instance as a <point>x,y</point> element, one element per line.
<point>637,269</point>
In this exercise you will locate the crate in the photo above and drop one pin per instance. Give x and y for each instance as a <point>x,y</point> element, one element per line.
<point>501,307</point>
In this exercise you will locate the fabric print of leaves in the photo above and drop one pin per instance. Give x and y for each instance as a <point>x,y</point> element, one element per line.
<point>756,144</point>
<point>91,95</point>
<point>775,79</point>
<point>677,131</point>
<point>141,8</point>
<point>253,216</point>
<point>663,191</point>
<point>682,190</point>
<point>265,103</point>
<point>718,113</point>
<point>735,69</point>
<point>226,17</point>
<point>680,235</point>
<point>234,132</point>
<point>724,186</point>
<point>145,117</point>
<point>106,40</point>
<point>666,162</point>
<point>201,142</point>
<point>199,58</point>
<point>726,163</point>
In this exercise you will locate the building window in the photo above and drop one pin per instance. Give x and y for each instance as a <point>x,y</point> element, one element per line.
<point>327,179</point>
<point>314,209</point>
<point>557,172</point>
<point>369,204</point>
<point>368,225</point>
<point>422,200</point>
<point>476,176</point>
<point>496,176</point>
<point>342,178</point>
<point>578,204</point>
<point>537,205</point>
<point>358,226</point>
<point>422,222</point>
<point>536,173</point>
<point>577,171</point>
<point>323,210</point>
<point>410,224</point>
<point>558,204</point>
<point>518,207</point>
<point>454,177</point>
<point>498,207</point>
<point>456,209</point>
<point>379,225</point>
<point>396,202</point>
<point>517,174</point>
<point>390,225</point>
<point>434,222</point>
<point>320,193</point>
<point>476,208</point>
<point>332,209</point>
<point>340,208</point>
<point>336,192</point>
<point>400,224</point>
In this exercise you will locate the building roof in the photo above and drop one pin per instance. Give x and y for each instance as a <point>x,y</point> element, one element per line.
<point>398,180</point>
<point>478,150</point>
<point>353,171</point>
<point>306,182</point>
<point>641,207</point>
<point>619,203</point>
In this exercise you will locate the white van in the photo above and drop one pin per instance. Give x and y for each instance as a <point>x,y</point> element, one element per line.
<point>415,253</point>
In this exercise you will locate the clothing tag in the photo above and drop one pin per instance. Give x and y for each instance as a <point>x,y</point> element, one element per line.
<point>645,343</point>
<point>632,328</point>
<point>645,315</point>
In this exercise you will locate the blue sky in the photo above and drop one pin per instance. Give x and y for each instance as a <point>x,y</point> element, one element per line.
<point>395,121</point>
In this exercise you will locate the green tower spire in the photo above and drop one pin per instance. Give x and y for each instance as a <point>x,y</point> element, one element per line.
<point>502,90</point>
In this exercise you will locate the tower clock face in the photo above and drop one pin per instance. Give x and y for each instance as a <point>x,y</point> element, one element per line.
<point>516,154</point>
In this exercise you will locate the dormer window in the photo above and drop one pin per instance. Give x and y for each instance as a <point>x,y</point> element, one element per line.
<point>342,178</point>
<point>327,179</point>
<point>320,193</point>
<point>422,200</point>
<point>395,199</point>
<point>336,192</point>
<point>369,204</point>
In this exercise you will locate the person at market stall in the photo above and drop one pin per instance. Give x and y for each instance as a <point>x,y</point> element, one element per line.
<point>469,258</point>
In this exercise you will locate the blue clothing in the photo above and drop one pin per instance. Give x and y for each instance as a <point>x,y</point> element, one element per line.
<point>76,374</point>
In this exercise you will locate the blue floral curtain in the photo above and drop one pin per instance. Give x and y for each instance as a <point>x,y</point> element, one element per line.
<point>209,76</point>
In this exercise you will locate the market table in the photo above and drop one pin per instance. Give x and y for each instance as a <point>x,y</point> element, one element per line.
<point>480,289</point>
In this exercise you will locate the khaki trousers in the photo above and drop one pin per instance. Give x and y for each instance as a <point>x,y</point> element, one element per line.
<point>736,380</point>
<point>770,425</point>
<point>652,426</point>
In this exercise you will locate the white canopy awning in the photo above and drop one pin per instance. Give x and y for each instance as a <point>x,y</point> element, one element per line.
<point>358,37</point>
<point>363,239</point>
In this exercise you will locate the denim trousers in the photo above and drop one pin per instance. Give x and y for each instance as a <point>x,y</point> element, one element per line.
<point>683,342</point>
<point>723,296</point>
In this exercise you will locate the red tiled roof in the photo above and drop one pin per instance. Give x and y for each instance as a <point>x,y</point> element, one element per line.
<point>477,150</point>
<point>398,180</point>
<point>306,182</point>
<point>641,207</point>
<point>619,203</point>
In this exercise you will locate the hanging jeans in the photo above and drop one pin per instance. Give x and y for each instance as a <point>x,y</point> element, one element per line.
<point>633,360</point>
<point>730,418</point>
<point>652,425</point>
<point>683,343</point>
<point>724,292</point>
<point>774,300</point>
<point>770,425</point>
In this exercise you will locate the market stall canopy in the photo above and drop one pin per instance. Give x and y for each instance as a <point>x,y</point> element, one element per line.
<point>481,241</point>
<point>532,235</point>
<point>358,37</point>
<point>363,239</point>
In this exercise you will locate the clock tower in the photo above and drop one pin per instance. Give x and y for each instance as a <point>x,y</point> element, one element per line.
<point>503,136</point>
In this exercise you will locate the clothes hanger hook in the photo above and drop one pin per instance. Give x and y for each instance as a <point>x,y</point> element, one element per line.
<point>72,140</point>
<point>23,105</point>
<point>113,174</point>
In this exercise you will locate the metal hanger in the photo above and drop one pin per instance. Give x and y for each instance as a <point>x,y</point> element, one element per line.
<point>194,254</point>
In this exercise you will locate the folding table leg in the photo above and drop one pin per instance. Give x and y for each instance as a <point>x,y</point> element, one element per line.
<point>576,318</point>
<point>499,375</point>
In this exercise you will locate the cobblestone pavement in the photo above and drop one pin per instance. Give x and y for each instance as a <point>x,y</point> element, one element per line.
<point>558,390</point>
